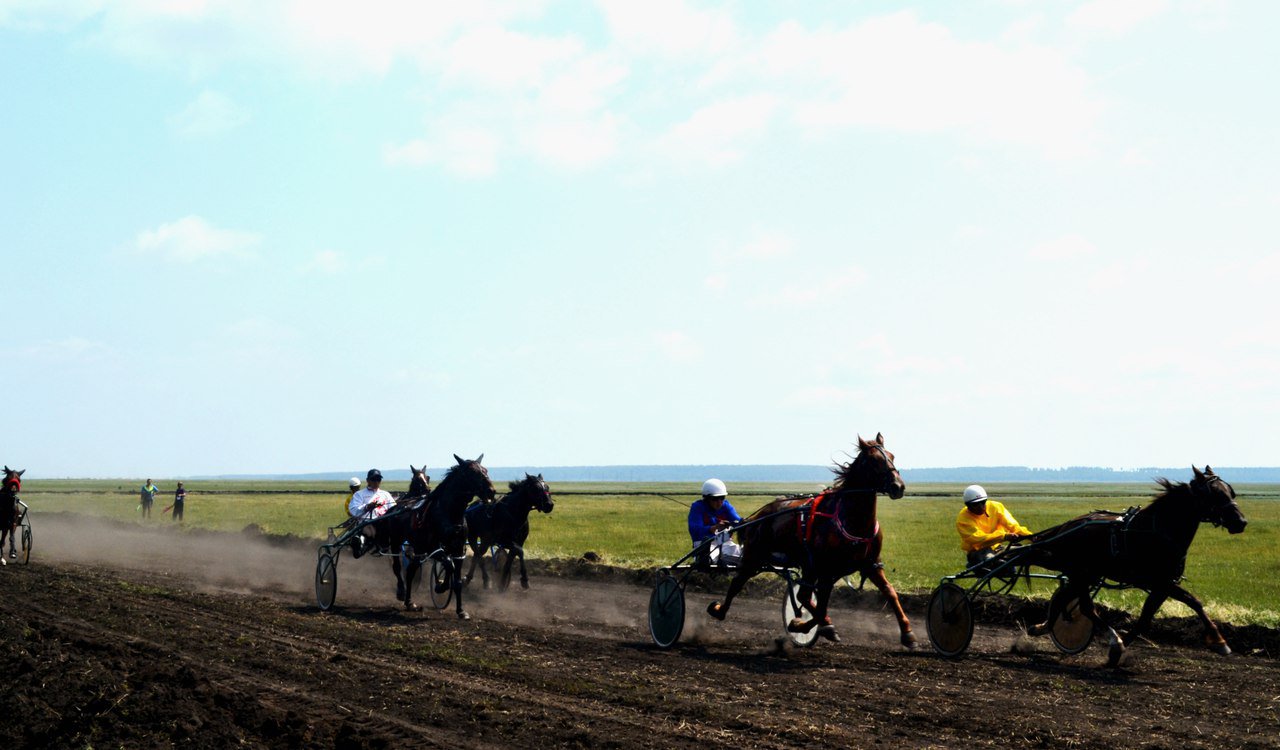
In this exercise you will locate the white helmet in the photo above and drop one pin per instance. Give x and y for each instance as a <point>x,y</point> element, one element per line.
<point>974,493</point>
<point>354,482</point>
<point>715,488</point>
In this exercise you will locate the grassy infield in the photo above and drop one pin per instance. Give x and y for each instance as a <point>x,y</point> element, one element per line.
<point>1237,577</point>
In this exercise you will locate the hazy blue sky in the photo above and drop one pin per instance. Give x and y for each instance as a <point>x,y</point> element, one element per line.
<point>288,236</point>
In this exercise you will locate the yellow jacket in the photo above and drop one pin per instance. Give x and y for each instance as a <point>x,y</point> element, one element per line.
<point>980,532</point>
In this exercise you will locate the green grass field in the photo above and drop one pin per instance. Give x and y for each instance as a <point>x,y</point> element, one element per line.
<point>633,525</point>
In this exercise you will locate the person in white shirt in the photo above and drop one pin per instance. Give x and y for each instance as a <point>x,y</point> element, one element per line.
<point>370,503</point>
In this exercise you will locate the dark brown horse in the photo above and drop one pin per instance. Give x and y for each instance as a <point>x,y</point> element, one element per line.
<point>437,527</point>
<point>506,525</point>
<point>827,537</point>
<point>9,509</point>
<point>1146,548</point>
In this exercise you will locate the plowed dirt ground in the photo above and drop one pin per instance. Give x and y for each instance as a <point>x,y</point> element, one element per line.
<point>124,636</point>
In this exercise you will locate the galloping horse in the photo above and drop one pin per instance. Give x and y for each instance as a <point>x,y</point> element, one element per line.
<point>828,537</point>
<point>506,524</point>
<point>9,509</point>
<point>438,525</point>
<point>1146,548</point>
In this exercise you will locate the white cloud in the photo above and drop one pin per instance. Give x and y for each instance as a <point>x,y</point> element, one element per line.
<point>462,151</point>
<point>720,133</point>
<point>1069,247</point>
<point>1121,274</point>
<point>65,351</point>
<point>716,282</point>
<point>802,294</point>
<point>670,29</point>
<point>678,346</point>
<point>896,72</point>
<point>1116,17</point>
<point>328,262</point>
<point>211,113</point>
<point>192,239</point>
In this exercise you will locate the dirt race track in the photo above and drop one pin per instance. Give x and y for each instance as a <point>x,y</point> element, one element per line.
<point>118,636</point>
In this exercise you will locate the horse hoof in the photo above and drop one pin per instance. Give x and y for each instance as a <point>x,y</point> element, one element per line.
<point>909,640</point>
<point>1221,649</point>
<point>1115,650</point>
<point>413,607</point>
<point>464,616</point>
<point>524,585</point>
<point>1040,629</point>
<point>715,610</point>
<point>829,632</point>
<point>802,626</point>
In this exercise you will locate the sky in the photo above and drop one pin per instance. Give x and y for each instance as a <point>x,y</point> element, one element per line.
<point>243,236</point>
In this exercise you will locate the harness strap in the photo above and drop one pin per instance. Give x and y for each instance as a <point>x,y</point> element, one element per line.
<point>804,526</point>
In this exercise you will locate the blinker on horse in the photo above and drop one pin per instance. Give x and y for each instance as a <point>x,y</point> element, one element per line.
<point>827,537</point>
<point>1146,548</point>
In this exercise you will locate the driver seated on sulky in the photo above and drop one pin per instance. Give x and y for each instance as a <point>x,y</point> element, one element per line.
<point>370,504</point>
<point>984,524</point>
<point>711,517</point>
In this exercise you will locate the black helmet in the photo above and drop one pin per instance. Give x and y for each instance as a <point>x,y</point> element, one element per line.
<point>373,476</point>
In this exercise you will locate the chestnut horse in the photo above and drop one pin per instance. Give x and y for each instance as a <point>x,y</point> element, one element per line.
<point>437,526</point>
<point>9,509</point>
<point>827,537</point>
<point>506,524</point>
<point>1146,548</point>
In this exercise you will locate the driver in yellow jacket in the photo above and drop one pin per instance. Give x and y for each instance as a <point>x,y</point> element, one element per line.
<point>983,524</point>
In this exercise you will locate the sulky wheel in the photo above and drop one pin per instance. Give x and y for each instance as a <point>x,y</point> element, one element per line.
<point>950,620</point>
<point>26,543</point>
<point>1072,632</point>
<point>441,583</point>
<point>791,609</point>
<point>666,611</point>
<point>326,580</point>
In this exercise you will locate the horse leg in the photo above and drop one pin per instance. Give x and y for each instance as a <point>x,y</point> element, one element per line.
<point>1212,636</point>
<point>524,574</point>
<point>409,563</point>
<point>822,598</point>
<point>1154,599</point>
<point>876,575</point>
<point>1115,644</point>
<point>396,566</point>
<point>457,585</point>
<point>718,610</point>
<point>474,544</point>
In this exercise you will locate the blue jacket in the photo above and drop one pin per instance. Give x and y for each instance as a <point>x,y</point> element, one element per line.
<point>702,520</point>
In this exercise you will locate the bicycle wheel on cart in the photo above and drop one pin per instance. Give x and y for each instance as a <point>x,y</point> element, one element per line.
<point>1071,632</point>
<point>792,608</point>
<point>441,583</point>
<point>666,611</point>
<point>26,541</point>
<point>326,579</point>
<point>950,620</point>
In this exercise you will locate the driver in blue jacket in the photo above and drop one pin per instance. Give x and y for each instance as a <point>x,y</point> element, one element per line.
<point>711,517</point>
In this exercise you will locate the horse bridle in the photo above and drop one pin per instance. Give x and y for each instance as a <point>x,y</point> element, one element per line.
<point>1203,485</point>
<point>886,476</point>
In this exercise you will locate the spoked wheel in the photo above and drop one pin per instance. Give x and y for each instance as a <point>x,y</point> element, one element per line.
<point>791,609</point>
<point>441,583</point>
<point>26,543</point>
<point>666,611</point>
<point>950,620</point>
<point>1072,632</point>
<point>326,580</point>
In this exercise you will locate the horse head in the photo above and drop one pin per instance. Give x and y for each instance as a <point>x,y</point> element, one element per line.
<point>1216,500</point>
<point>420,484</point>
<point>539,492</point>
<point>13,480</point>
<point>872,470</point>
<point>473,478</point>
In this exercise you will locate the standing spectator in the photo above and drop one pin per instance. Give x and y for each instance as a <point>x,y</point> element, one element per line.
<point>179,499</point>
<point>148,497</point>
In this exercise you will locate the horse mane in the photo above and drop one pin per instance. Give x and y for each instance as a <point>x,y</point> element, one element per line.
<point>1171,489</point>
<point>844,471</point>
